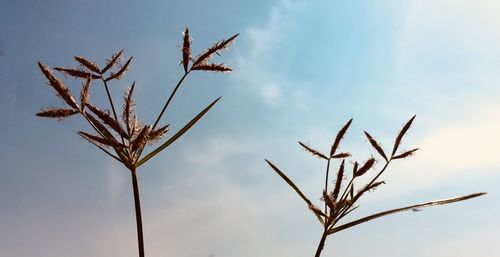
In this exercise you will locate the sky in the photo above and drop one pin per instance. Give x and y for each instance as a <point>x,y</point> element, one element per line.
<point>301,70</point>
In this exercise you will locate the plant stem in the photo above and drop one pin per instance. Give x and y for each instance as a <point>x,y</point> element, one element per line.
<point>326,181</point>
<point>321,243</point>
<point>138,218</point>
<point>170,99</point>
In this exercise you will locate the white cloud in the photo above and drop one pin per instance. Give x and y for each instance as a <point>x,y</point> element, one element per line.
<point>263,64</point>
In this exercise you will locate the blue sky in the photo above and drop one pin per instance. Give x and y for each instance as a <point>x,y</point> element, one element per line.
<point>301,70</point>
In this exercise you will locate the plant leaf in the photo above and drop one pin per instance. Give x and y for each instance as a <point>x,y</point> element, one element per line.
<point>297,190</point>
<point>407,208</point>
<point>177,135</point>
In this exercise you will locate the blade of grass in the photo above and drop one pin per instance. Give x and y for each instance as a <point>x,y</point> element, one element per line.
<point>292,185</point>
<point>407,208</point>
<point>177,135</point>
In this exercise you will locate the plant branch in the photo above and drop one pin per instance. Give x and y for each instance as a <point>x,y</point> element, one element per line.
<point>170,99</point>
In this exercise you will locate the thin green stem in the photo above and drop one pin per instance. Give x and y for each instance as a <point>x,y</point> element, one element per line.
<point>170,99</point>
<point>321,244</point>
<point>111,103</point>
<point>345,209</point>
<point>326,182</point>
<point>138,217</point>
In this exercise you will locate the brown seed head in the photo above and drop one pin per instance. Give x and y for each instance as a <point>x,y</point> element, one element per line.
<point>128,107</point>
<point>405,154</point>
<point>108,120</point>
<point>339,137</point>
<point>313,152</point>
<point>61,89</point>
<point>363,169</point>
<point>338,182</point>
<point>90,65</point>
<point>58,113</point>
<point>115,59</point>
<point>119,74</point>
<point>186,49</point>
<point>376,145</point>
<point>204,57</point>
<point>100,141</point>
<point>401,134</point>
<point>84,93</point>
<point>77,73</point>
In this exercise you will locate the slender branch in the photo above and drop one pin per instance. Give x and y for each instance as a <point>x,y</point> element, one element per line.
<point>120,154</point>
<point>346,208</point>
<point>138,218</point>
<point>170,99</point>
<point>326,182</point>
<point>111,103</point>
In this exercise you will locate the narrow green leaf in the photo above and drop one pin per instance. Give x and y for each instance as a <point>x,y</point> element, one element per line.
<point>291,184</point>
<point>407,208</point>
<point>177,135</point>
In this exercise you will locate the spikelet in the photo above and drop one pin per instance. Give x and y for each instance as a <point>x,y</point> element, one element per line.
<point>136,126</point>
<point>186,49</point>
<point>341,155</point>
<point>368,188</point>
<point>338,182</point>
<point>115,59</point>
<point>405,154</point>
<point>401,134</point>
<point>158,134</point>
<point>100,127</point>
<point>313,152</point>
<point>60,88</point>
<point>140,141</point>
<point>58,113</point>
<point>354,169</point>
<point>339,137</point>
<point>100,140</point>
<point>108,120</point>
<point>363,169</point>
<point>330,202</point>
<point>76,73</point>
<point>376,145</point>
<point>217,67</point>
<point>204,57</point>
<point>316,210</point>
<point>119,74</point>
<point>128,107</point>
<point>84,93</point>
<point>90,65</point>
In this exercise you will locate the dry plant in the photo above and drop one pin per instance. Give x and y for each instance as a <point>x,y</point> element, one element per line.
<point>124,140</point>
<point>342,200</point>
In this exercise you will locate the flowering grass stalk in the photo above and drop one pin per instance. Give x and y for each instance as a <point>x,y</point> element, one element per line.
<point>125,139</point>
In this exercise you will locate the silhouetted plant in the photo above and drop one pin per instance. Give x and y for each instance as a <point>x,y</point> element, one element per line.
<point>125,140</point>
<point>339,203</point>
